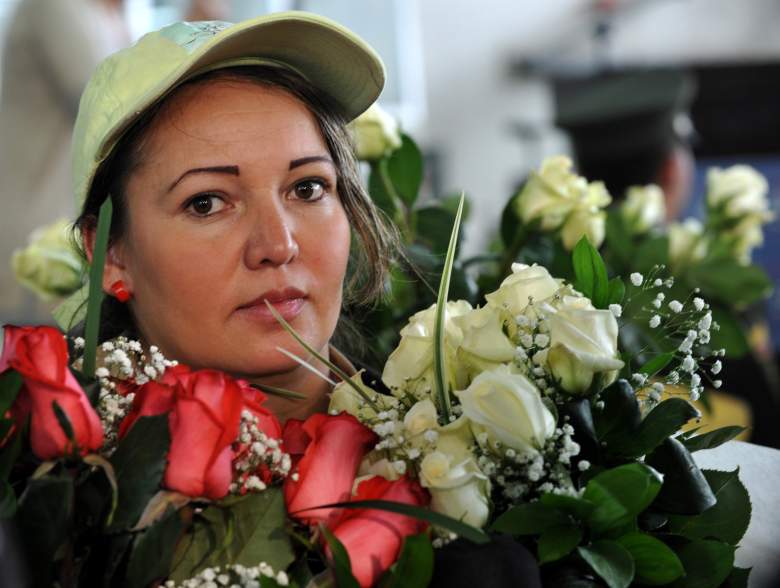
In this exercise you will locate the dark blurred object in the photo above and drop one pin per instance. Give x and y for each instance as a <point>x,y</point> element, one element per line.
<point>630,127</point>
<point>502,562</point>
<point>736,110</point>
<point>11,571</point>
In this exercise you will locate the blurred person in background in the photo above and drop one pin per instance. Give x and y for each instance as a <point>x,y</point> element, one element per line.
<point>632,128</point>
<point>50,49</point>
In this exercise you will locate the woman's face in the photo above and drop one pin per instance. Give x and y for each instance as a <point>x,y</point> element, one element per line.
<point>234,203</point>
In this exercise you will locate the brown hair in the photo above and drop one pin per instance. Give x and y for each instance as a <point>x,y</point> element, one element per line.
<point>377,240</point>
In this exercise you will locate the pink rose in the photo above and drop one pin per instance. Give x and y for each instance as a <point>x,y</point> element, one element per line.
<point>373,538</point>
<point>40,356</point>
<point>327,470</point>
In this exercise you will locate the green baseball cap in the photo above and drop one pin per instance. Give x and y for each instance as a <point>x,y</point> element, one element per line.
<point>123,86</point>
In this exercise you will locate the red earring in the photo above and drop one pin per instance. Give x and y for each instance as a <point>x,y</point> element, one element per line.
<point>119,290</point>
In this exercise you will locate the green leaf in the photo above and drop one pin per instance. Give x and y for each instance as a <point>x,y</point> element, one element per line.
<point>95,299</point>
<point>664,420</point>
<point>619,240</point>
<point>405,167</point>
<point>707,564</point>
<point>245,530</point>
<point>620,414</point>
<point>590,273</point>
<point>558,542</point>
<point>617,291</point>
<point>685,489</point>
<point>415,564</point>
<point>44,519</point>
<point>712,439</point>
<point>10,385</point>
<point>651,252</point>
<point>139,464</point>
<point>460,528</point>
<point>656,564</point>
<point>611,561</point>
<point>7,500</point>
<point>9,453</point>
<point>531,518</point>
<point>727,520</point>
<point>579,508</point>
<point>342,567</point>
<point>620,494</point>
<point>731,335</point>
<point>738,578</point>
<point>64,422</point>
<point>580,415</point>
<point>442,393</point>
<point>656,364</point>
<point>434,225</point>
<point>510,222</point>
<point>730,282</point>
<point>379,191</point>
<point>152,552</point>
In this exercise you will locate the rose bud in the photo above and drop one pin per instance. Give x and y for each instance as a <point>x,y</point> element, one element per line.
<point>40,356</point>
<point>373,538</point>
<point>326,472</point>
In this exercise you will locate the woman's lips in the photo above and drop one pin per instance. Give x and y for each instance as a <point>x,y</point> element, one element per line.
<point>288,303</point>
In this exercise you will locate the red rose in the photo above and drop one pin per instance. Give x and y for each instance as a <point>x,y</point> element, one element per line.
<point>327,470</point>
<point>373,538</point>
<point>204,416</point>
<point>40,356</point>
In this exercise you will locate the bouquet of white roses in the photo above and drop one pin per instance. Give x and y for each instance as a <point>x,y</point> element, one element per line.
<point>515,417</point>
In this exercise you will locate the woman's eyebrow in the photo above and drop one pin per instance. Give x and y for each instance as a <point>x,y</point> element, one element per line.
<point>218,169</point>
<point>304,160</point>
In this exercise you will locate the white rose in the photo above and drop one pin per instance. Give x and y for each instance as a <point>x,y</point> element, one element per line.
<point>421,417</point>
<point>644,208</point>
<point>510,408</point>
<point>413,358</point>
<point>584,222</point>
<point>583,342</point>
<point>457,486</point>
<point>485,344</point>
<point>375,133</point>
<point>551,193</point>
<point>523,283</point>
<point>745,236</point>
<point>686,243</point>
<point>740,190</point>
<point>344,398</point>
<point>49,265</point>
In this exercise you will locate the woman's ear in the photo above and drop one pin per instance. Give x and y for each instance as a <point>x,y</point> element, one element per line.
<point>114,268</point>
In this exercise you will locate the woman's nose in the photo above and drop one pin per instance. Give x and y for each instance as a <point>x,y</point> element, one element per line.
<point>272,241</point>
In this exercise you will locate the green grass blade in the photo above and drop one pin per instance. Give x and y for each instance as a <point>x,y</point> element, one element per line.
<point>281,392</point>
<point>441,386</point>
<point>95,299</point>
<point>333,367</point>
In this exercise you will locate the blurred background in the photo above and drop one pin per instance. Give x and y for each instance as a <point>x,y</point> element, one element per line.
<point>487,89</point>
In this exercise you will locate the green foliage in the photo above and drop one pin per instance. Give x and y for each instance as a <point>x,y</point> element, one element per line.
<point>656,364</point>
<point>139,465</point>
<point>95,299</point>
<point>152,551</point>
<point>731,335</point>
<point>530,518</point>
<point>44,519</point>
<point>10,385</point>
<point>590,273</point>
<point>442,393</point>
<point>415,564</point>
<point>7,500</point>
<point>712,439</point>
<point>405,167</point>
<point>655,563</point>
<point>620,494</point>
<point>727,520</point>
<point>685,489</point>
<point>620,414</point>
<point>342,568</point>
<point>611,561</point>
<point>707,564</point>
<point>245,530</point>
<point>558,542</point>
<point>579,508</point>
<point>617,291</point>
<point>664,420</point>
<point>728,281</point>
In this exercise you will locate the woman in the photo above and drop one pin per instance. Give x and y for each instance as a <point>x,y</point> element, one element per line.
<point>234,185</point>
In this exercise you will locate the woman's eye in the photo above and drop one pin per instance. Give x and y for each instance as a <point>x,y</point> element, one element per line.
<point>205,204</point>
<point>309,189</point>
